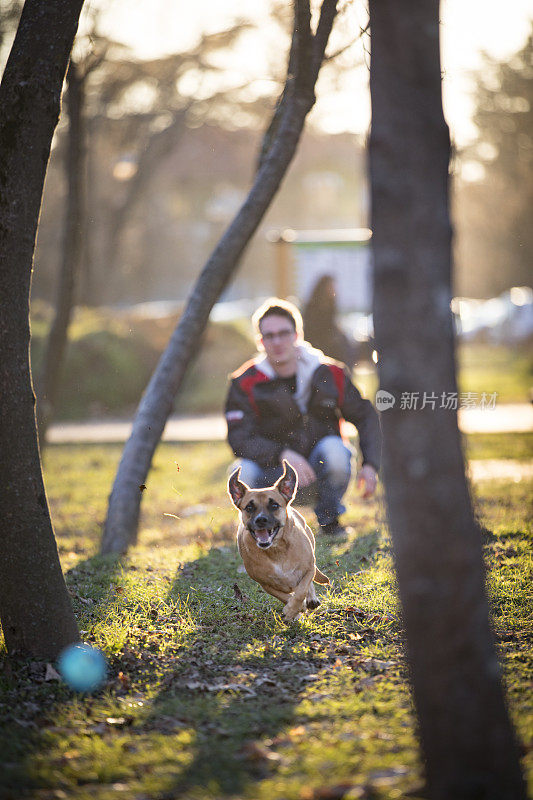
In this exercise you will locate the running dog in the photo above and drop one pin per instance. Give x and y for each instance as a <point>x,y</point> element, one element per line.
<point>275,543</point>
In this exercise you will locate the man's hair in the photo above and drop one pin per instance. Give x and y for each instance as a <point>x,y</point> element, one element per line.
<point>276,307</point>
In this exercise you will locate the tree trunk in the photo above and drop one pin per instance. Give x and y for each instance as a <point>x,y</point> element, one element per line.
<point>56,345</point>
<point>35,610</point>
<point>466,735</point>
<point>124,503</point>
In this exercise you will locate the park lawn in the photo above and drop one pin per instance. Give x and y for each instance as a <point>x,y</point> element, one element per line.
<point>482,368</point>
<point>504,369</point>
<point>518,446</point>
<point>211,695</point>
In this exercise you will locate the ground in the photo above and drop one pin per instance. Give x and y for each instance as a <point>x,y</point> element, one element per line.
<point>210,694</point>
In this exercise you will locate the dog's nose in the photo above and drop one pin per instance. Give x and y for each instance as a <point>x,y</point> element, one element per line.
<point>261,521</point>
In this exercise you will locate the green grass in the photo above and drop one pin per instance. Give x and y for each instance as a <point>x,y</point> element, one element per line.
<point>496,368</point>
<point>209,696</point>
<point>482,368</point>
<point>517,446</point>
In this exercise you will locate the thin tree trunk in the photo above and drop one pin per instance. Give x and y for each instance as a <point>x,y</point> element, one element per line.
<point>35,609</point>
<point>466,735</point>
<point>56,345</point>
<point>124,503</point>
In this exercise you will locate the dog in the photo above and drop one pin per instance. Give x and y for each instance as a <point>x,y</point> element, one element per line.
<point>275,543</point>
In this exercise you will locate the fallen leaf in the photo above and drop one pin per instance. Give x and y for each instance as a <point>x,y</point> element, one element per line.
<point>100,728</point>
<point>25,723</point>
<point>265,681</point>
<point>371,664</point>
<point>357,612</point>
<point>124,680</point>
<point>51,674</point>
<point>71,754</point>
<point>238,594</point>
<point>119,722</point>
<point>255,751</point>
<point>299,730</point>
<point>335,792</point>
<point>365,683</point>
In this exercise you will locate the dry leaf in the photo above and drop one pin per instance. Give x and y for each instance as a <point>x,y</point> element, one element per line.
<point>299,730</point>
<point>119,722</point>
<point>336,792</point>
<point>255,751</point>
<point>238,594</point>
<point>124,680</point>
<point>357,612</point>
<point>51,674</point>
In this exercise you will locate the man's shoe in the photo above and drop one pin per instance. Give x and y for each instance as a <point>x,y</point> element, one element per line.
<point>333,529</point>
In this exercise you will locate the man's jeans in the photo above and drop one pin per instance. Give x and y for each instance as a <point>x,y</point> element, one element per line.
<point>331,461</point>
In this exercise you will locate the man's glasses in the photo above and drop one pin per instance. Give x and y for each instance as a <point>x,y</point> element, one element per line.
<point>283,335</point>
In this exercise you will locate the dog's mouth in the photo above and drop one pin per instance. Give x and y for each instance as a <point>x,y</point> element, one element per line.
<point>264,536</point>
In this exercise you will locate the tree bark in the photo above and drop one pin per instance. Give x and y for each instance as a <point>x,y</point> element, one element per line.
<point>124,504</point>
<point>466,736</point>
<point>35,609</point>
<point>56,345</point>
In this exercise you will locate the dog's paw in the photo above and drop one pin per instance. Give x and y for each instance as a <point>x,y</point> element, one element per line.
<point>290,613</point>
<point>312,604</point>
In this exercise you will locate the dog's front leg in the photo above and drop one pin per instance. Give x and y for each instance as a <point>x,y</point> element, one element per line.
<point>296,602</point>
<point>311,600</point>
<point>283,596</point>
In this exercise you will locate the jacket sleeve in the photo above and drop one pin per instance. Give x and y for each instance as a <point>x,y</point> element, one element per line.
<point>244,436</point>
<point>363,415</point>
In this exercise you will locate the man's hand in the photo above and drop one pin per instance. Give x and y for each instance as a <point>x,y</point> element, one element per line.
<point>304,470</point>
<point>367,477</point>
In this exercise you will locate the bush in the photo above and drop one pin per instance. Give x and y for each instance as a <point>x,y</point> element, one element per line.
<point>110,360</point>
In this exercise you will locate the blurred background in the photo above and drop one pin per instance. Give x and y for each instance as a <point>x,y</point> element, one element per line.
<point>174,104</point>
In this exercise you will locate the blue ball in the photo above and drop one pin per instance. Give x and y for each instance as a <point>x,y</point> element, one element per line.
<point>82,667</point>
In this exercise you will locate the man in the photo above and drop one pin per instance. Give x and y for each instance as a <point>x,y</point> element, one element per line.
<point>288,403</point>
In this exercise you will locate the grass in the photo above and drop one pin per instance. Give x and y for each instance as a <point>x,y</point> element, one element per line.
<point>213,696</point>
<point>491,368</point>
<point>517,446</point>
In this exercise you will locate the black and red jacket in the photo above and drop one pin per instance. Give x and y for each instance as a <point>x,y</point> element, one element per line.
<point>264,417</point>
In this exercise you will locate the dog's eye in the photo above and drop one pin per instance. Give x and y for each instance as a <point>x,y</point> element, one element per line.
<point>273,505</point>
<point>249,508</point>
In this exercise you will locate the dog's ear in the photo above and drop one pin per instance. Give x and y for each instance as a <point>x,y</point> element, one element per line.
<point>288,483</point>
<point>236,488</point>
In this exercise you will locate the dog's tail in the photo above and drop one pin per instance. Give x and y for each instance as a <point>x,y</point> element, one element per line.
<point>320,577</point>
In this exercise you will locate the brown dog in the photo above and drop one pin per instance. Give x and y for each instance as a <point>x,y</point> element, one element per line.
<point>275,543</point>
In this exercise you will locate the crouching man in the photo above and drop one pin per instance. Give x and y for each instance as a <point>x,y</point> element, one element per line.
<point>287,403</point>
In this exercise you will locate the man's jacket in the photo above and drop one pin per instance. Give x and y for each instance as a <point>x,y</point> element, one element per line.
<point>264,417</point>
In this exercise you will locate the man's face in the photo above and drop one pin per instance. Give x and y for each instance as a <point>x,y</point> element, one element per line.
<point>279,340</point>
